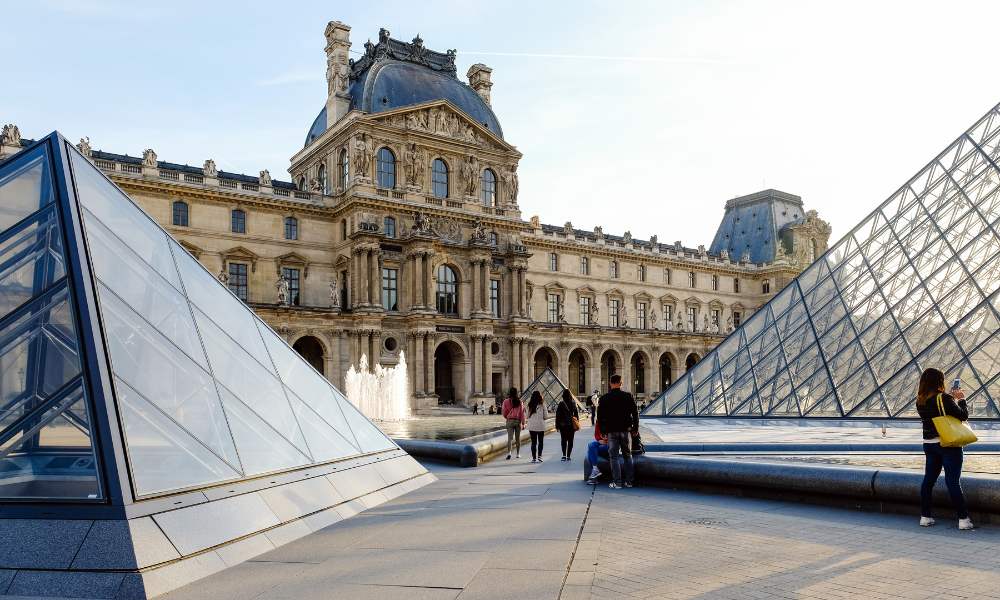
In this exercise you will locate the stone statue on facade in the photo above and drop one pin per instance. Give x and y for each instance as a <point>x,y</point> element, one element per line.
<point>264,178</point>
<point>560,310</point>
<point>149,158</point>
<point>568,228</point>
<point>11,135</point>
<point>283,286</point>
<point>654,240</point>
<point>678,246</point>
<point>479,232</point>
<point>510,185</point>
<point>334,293</point>
<point>410,159</point>
<point>680,324</point>
<point>470,174</point>
<point>595,314</point>
<point>652,318</point>
<point>627,238</point>
<point>223,277</point>
<point>84,147</point>
<point>779,252</point>
<point>362,157</point>
<point>724,255</point>
<point>729,324</point>
<point>527,303</point>
<point>745,258</point>
<point>704,323</point>
<point>702,252</point>
<point>599,232</point>
<point>209,169</point>
<point>623,317</point>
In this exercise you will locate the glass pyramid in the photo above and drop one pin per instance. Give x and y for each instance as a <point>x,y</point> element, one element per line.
<point>118,348</point>
<point>915,285</point>
<point>549,385</point>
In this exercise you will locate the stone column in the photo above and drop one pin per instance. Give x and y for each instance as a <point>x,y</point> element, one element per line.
<point>428,357</point>
<point>474,288</point>
<point>375,280</point>
<point>413,281</point>
<point>522,292</point>
<point>373,354</point>
<point>487,365</point>
<point>428,282</point>
<point>484,294</point>
<point>626,371</point>
<point>514,365</point>
<point>473,346</point>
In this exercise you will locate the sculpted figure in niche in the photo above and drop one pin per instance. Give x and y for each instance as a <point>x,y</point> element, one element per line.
<point>680,323</point>
<point>595,314</point>
<point>528,301</point>
<point>623,317</point>
<point>334,293</point>
<point>729,324</point>
<point>704,323</point>
<point>470,174</point>
<point>652,318</point>
<point>411,158</point>
<point>362,157</point>
<point>282,286</point>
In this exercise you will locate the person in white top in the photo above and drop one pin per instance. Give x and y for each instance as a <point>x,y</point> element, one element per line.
<point>537,413</point>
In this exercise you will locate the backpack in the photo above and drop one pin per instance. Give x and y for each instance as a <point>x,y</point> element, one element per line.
<point>637,445</point>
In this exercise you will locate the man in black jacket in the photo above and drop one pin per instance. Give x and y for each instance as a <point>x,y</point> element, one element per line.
<point>618,419</point>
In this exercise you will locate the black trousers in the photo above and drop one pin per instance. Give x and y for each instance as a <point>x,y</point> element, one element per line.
<point>566,441</point>
<point>537,439</point>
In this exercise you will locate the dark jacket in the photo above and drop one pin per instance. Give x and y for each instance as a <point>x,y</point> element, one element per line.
<point>929,410</point>
<point>616,412</point>
<point>565,414</point>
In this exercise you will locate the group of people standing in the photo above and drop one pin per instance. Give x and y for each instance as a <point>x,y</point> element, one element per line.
<point>615,423</point>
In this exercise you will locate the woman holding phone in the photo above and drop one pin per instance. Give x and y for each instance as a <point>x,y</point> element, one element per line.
<point>931,386</point>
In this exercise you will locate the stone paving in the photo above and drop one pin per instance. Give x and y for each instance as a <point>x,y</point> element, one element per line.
<point>524,531</point>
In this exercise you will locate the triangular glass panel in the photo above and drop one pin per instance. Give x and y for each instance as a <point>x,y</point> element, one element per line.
<point>262,448</point>
<point>370,437</point>
<point>31,259</point>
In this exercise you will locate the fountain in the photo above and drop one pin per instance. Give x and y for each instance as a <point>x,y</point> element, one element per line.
<point>381,394</point>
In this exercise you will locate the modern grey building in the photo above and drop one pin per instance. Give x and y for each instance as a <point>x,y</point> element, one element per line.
<point>153,430</point>
<point>914,285</point>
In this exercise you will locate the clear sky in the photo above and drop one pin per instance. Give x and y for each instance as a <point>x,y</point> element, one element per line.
<point>631,115</point>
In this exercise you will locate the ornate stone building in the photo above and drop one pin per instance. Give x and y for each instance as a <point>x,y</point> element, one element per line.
<point>401,231</point>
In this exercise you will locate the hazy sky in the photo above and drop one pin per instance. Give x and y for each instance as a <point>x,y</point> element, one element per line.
<point>631,115</point>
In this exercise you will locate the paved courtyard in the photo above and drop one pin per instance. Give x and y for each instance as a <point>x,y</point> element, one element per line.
<point>517,530</point>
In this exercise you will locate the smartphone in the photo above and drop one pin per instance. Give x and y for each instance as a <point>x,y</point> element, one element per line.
<point>957,384</point>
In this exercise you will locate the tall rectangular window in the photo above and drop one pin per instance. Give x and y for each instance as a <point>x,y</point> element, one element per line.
<point>737,318</point>
<point>291,228</point>
<point>584,265</point>
<point>553,301</point>
<point>584,310</point>
<point>180,214</point>
<point>495,297</point>
<point>715,283</point>
<point>765,287</point>
<point>390,289</point>
<point>553,261</point>
<point>736,285</point>
<point>238,281</point>
<point>642,273</point>
<point>692,279</point>
<point>292,275</point>
<point>389,227</point>
<point>716,315</point>
<point>667,277</point>
<point>668,314</point>
<point>641,315</point>
<point>692,318</point>
<point>614,312</point>
<point>613,269</point>
<point>238,221</point>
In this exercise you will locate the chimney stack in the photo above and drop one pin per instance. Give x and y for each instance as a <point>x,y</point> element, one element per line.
<point>338,71</point>
<point>479,80</point>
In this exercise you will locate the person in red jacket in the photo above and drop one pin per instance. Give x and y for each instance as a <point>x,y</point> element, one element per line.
<point>596,449</point>
<point>513,411</point>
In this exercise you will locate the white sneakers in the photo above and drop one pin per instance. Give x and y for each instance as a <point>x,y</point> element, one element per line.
<point>963,524</point>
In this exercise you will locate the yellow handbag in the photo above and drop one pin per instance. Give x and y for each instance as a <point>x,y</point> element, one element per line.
<point>953,432</point>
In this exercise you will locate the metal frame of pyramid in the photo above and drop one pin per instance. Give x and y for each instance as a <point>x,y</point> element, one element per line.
<point>152,428</point>
<point>916,284</point>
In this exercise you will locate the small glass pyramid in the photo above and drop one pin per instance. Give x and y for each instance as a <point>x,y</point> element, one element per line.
<point>915,285</point>
<point>548,384</point>
<point>118,347</point>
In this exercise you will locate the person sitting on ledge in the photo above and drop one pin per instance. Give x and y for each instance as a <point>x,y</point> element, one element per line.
<point>596,449</point>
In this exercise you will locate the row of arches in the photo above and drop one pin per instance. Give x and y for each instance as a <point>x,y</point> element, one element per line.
<point>578,369</point>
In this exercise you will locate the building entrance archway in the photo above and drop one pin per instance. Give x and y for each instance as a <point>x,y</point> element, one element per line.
<point>692,360</point>
<point>610,365</point>
<point>666,370</point>
<point>310,349</point>
<point>545,358</point>
<point>449,373</point>
<point>578,373</point>
<point>638,368</point>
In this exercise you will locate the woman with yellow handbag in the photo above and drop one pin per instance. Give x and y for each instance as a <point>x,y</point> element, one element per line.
<point>944,435</point>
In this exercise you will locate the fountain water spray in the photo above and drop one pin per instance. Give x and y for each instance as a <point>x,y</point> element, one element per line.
<point>381,394</point>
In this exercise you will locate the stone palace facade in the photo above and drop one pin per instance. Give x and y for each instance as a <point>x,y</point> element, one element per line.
<point>401,231</point>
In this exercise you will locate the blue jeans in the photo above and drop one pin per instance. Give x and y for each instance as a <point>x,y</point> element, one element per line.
<point>951,460</point>
<point>595,450</point>
<point>620,442</point>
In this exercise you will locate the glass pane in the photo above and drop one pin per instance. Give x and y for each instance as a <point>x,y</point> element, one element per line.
<point>162,456</point>
<point>155,368</point>
<point>24,187</point>
<point>262,449</point>
<point>31,259</point>
<point>325,442</point>
<point>216,301</point>
<point>116,211</point>
<point>370,437</point>
<point>251,383</point>
<point>49,454</point>
<point>143,290</point>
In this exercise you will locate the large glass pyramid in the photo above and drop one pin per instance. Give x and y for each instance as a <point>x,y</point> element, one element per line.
<point>117,347</point>
<point>915,285</point>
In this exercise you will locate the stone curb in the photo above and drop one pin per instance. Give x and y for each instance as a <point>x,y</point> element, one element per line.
<point>791,448</point>
<point>469,452</point>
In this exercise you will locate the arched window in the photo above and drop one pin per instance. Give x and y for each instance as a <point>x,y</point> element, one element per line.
<point>323,182</point>
<point>302,183</point>
<point>180,213</point>
<point>342,169</point>
<point>489,187</point>
<point>813,250</point>
<point>389,227</point>
<point>439,178</point>
<point>238,221</point>
<point>447,290</point>
<point>386,169</point>
<point>291,228</point>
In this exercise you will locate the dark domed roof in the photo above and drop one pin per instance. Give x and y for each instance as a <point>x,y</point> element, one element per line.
<point>393,74</point>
